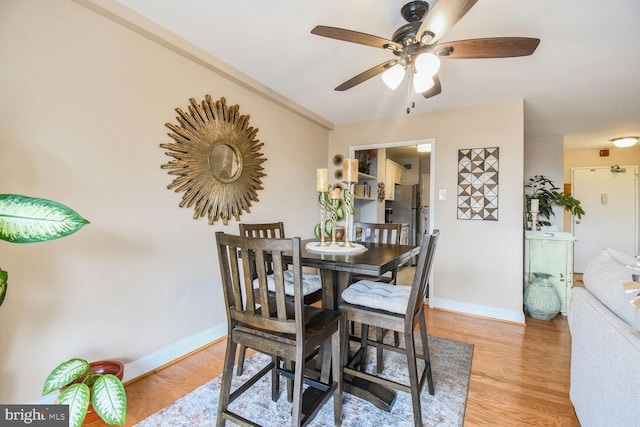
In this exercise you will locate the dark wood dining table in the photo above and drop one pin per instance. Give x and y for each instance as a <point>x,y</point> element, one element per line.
<point>336,271</point>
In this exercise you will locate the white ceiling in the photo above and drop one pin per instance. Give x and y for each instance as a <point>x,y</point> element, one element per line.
<point>582,82</point>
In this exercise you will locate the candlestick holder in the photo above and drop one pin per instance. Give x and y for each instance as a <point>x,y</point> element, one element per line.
<point>348,211</point>
<point>322,201</point>
<point>332,209</point>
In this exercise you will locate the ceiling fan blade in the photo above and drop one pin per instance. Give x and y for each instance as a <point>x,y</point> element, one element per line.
<point>496,47</point>
<point>366,75</point>
<point>355,37</point>
<point>442,16</point>
<point>435,89</point>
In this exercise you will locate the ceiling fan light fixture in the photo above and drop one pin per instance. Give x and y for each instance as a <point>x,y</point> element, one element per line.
<point>625,141</point>
<point>393,76</point>
<point>422,82</point>
<point>427,63</point>
<point>426,37</point>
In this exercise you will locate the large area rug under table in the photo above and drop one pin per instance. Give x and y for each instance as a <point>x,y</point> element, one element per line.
<point>451,363</point>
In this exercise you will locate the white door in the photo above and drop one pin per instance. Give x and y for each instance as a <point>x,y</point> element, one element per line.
<point>610,203</point>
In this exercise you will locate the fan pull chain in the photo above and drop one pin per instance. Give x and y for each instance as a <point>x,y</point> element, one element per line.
<point>410,104</point>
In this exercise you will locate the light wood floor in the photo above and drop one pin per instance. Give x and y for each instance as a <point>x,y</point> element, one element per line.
<point>519,374</point>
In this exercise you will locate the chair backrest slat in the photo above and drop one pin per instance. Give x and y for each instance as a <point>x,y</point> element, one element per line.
<point>423,272</point>
<point>378,232</point>
<point>261,308</point>
<point>269,230</point>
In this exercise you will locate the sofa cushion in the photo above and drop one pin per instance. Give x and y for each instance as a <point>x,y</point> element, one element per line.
<point>605,276</point>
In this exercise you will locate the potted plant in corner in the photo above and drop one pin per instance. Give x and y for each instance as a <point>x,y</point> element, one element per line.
<point>91,390</point>
<point>26,219</point>
<point>547,193</point>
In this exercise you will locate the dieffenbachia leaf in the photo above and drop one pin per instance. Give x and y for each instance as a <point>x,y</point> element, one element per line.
<point>28,219</point>
<point>77,396</point>
<point>109,399</point>
<point>64,374</point>
<point>4,276</point>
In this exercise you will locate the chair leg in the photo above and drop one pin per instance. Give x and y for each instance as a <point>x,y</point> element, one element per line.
<point>241,356</point>
<point>426,355</point>
<point>227,374</point>
<point>364,343</point>
<point>380,339</point>
<point>413,376</point>
<point>288,365</point>
<point>275,379</point>
<point>336,371</point>
<point>297,391</point>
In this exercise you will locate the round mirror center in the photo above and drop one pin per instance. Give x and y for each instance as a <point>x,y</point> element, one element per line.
<point>223,162</point>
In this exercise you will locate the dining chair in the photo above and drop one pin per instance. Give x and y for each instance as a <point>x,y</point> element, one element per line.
<point>397,308</point>
<point>312,283</point>
<point>271,323</point>
<point>373,232</point>
<point>377,233</point>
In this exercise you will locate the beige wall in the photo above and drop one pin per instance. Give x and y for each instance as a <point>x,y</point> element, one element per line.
<point>83,106</point>
<point>544,156</point>
<point>478,266</point>
<point>583,158</point>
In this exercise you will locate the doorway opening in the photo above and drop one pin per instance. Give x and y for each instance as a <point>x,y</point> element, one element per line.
<point>610,200</point>
<point>419,170</point>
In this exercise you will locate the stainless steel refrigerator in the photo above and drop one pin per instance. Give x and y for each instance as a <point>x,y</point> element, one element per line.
<point>406,210</point>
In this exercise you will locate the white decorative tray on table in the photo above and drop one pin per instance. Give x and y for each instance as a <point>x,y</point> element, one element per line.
<point>336,249</point>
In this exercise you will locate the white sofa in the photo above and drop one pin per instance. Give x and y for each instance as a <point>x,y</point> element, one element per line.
<point>605,344</point>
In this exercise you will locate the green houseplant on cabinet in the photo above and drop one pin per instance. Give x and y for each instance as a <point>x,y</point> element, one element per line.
<point>29,219</point>
<point>548,194</point>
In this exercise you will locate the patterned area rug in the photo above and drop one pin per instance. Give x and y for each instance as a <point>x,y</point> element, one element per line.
<point>451,362</point>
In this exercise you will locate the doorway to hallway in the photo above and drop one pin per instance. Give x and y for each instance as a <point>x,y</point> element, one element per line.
<point>609,198</point>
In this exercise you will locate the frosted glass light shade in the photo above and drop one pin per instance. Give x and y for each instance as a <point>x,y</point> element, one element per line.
<point>427,63</point>
<point>422,82</point>
<point>393,76</point>
<point>626,141</point>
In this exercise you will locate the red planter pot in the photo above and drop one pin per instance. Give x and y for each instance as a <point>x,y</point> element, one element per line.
<point>102,367</point>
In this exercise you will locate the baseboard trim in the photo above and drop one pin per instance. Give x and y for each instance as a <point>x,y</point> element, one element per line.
<point>161,357</point>
<point>478,310</point>
<point>172,352</point>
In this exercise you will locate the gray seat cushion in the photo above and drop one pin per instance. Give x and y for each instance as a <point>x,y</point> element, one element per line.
<point>310,283</point>
<point>378,295</point>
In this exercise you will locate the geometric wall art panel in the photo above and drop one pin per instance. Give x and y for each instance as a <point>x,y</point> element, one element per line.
<point>478,183</point>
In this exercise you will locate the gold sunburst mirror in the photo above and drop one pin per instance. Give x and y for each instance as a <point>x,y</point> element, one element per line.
<point>218,162</point>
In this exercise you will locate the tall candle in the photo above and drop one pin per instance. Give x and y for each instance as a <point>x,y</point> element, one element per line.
<point>335,194</point>
<point>535,205</point>
<point>322,180</point>
<point>350,170</point>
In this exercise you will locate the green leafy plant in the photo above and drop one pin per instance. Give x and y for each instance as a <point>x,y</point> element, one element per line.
<point>26,219</point>
<point>542,188</point>
<point>81,386</point>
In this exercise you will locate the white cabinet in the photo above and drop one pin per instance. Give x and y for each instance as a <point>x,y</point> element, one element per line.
<point>394,174</point>
<point>552,253</point>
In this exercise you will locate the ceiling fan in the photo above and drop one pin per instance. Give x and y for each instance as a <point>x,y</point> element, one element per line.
<point>416,46</point>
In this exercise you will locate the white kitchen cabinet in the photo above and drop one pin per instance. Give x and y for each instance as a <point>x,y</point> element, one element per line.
<point>552,253</point>
<point>394,174</point>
